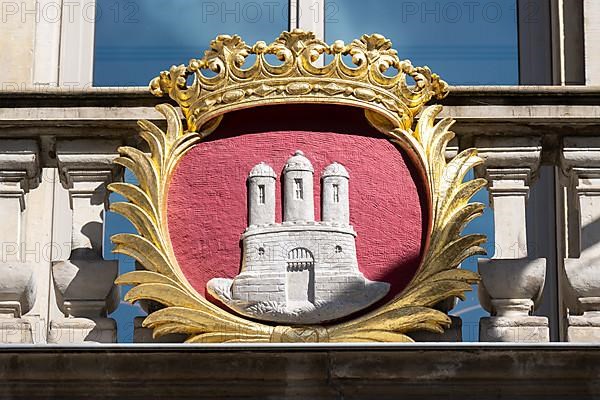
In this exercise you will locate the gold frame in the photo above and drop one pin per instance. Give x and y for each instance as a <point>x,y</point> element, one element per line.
<point>390,105</point>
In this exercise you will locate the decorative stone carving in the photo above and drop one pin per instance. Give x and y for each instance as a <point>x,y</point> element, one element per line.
<point>389,102</point>
<point>299,271</point>
<point>19,172</point>
<point>580,162</point>
<point>335,194</point>
<point>85,282</point>
<point>261,185</point>
<point>584,279</point>
<point>512,282</point>
<point>509,290</point>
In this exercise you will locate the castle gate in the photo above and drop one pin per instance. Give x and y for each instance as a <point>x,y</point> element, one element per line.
<point>300,283</point>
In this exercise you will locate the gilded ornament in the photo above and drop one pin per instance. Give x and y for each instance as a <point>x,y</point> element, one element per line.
<point>390,105</point>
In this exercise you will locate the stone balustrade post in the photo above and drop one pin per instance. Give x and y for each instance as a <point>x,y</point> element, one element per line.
<point>512,281</point>
<point>19,172</point>
<point>84,283</point>
<point>580,162</point>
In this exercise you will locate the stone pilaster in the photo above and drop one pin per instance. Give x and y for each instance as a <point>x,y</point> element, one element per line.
<point>580,162</point>
<point>512,281</point>
<point>19,172</point>
<point>84,283</point>
<point>591,34</point>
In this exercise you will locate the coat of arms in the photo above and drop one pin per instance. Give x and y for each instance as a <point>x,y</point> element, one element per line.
<point>300,271</point>
<point>298,202</point>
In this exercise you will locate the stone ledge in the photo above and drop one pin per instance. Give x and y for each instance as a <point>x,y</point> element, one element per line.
<point>464,95</point>
<point>545,112</point>
<point>375,371</point>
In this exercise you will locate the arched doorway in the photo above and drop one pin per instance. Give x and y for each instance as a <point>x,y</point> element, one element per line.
<point>300,282</point>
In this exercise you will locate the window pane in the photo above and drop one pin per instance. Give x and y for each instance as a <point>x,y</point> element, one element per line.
<point>135,40</point>
<point>465,42</point>
<point>115,223</point>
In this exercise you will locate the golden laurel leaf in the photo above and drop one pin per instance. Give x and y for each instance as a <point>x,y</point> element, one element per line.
<point>390,105</point>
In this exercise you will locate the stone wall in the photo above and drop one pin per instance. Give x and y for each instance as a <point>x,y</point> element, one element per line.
<point>321,243</point>
<point>516,129</point>
<point>17,43</point>
<point>591,14</point>
<point>327,372</point>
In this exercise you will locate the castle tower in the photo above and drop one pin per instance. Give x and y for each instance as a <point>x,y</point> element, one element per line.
<point>261,195</point>
<point>334,194</point>
<point>298,199</point>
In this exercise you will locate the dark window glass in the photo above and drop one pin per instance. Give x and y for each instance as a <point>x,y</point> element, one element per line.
<point>135,40</point>
<point>465,42</point>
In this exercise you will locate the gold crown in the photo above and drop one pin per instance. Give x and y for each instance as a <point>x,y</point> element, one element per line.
<point>298,79</point>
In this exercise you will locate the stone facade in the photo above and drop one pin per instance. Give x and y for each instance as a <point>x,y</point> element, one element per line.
<point>44,122</point>
<point>512,280</point>
<point>55,286</point>
<point>337,371</point>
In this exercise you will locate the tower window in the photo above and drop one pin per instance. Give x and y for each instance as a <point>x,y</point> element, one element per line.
<point>298,189</point>
<point>261,194</point>
<point>336,193</point>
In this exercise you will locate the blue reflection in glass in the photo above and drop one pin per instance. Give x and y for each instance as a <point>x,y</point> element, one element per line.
<point>114,223</point>
<point>135,40</point>
<point>465,42</point>
<point>470,310</point>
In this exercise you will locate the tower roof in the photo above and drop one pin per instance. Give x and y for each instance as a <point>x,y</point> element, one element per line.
<point>335,169</point>
<point>262,170</point>
<point>298,162</point>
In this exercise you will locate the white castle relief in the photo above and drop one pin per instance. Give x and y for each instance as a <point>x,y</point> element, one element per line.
<point>300,271</point>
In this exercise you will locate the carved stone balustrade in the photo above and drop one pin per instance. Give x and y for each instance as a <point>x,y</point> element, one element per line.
<point>19,173</point>
<point>512,282</point>
<point>65,296</point>
<point>85,281</point>
<point>580,163</point>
